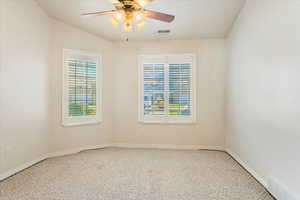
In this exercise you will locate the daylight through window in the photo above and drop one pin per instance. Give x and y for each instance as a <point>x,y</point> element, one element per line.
<point>167,89</point>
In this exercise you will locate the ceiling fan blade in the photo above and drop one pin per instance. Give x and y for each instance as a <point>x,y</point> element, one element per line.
<point>111,12</point>
<point>143,2</point>
<point>159,16</point>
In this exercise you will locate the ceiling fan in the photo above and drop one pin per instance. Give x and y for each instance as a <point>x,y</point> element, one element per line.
<point>130,11</point>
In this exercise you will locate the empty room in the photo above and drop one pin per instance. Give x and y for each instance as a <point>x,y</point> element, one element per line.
<point>149,99</point>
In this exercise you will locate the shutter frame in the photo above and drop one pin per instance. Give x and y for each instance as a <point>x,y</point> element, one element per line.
<point>176,119</point>
<point>81,120</point>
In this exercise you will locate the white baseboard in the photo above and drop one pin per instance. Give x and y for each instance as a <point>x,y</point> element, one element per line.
<point>275,187</point>
<point>281,191</point>
<point>47,156</point>
<point>168,146</point>
<point>21,167</point>
<point>253,172</point>
<point>76,150</point>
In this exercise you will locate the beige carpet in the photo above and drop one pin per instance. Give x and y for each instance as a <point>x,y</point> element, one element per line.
<point>135,174</point>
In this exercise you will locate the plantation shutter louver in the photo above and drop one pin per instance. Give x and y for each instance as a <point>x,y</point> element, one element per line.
<point>82,87</point>
<point>180,89</point>
<point>154,87</point>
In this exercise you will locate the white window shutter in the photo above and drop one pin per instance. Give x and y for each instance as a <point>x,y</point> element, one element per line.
<point>180,89</point>
<point>82,88</point>
<point>154,89</point>
<point>168,94</point>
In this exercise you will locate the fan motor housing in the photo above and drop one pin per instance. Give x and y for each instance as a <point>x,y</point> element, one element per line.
<point>130,4</point>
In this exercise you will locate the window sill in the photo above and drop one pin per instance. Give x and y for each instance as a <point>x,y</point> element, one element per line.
<point>168,123</point>
<point>74,124</point>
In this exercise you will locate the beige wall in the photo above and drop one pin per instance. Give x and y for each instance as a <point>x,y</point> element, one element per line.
<point>24,85</point>
<point>65,138</point>
<point>211,66</point>
<point>263,92</point>
<point>120,123</point>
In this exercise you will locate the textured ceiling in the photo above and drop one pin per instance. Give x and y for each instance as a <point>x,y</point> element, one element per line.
<point>194,18</point>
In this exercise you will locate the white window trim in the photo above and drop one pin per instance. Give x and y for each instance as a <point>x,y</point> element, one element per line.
<point>81,120</point>
<point>166,119</point>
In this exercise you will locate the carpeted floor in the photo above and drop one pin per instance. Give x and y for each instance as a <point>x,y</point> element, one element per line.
<point>135,174</point>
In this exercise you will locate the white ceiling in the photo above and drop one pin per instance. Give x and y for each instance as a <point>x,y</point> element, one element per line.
<point>194,18</point>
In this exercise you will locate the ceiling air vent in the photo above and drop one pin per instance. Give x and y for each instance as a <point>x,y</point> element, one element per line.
<point>163,31</point>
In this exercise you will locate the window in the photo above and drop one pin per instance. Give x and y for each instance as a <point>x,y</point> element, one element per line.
<point>81,88</point>
<point>167,89</point>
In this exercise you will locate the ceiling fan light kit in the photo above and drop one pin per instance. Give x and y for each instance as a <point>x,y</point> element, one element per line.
<point>131,14</point>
